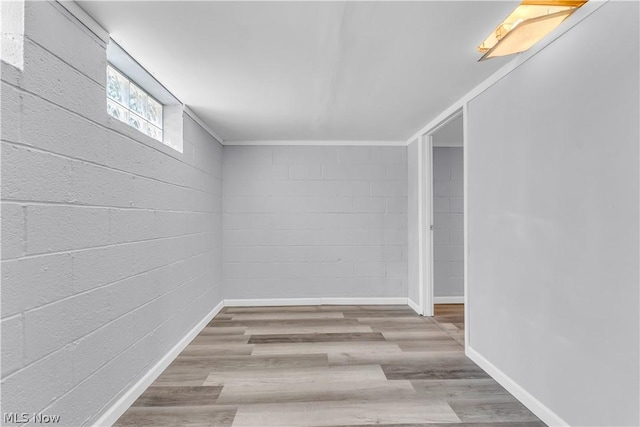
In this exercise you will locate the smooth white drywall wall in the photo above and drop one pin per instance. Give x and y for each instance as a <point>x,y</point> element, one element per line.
<point>111,241</point>
<point>553,222</point>
<point>315,221</point>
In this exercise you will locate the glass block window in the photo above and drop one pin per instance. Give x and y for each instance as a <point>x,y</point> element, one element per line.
<point>128,103</point>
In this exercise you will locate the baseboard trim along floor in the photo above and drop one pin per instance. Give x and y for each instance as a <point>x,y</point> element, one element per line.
<point>415,307</point>
<point>268,302</point>
<point>111,415</point>
<point>448,300</point>
<point>534,405</point>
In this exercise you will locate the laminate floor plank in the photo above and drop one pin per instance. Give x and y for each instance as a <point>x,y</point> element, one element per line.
<point>234,363</point>
<point>450,317</point>
<point>316,337</point>
<point>416,335</point>
<point>456,389</point>
<point>328,347</point>
<point>381,320</point>
<point>316,391</point>
<point>380,313</point>
<point>288,375</point>
<point>456,361</point>
<point>457,308</point>
<point>343,413</point>
<point>428,371</point>
<point>217,349</point>
<point>172,416</point>
<point>181,377</point>
<point>412,327</point>
<point>502,407</point>
<point>432,345</point>
<point>178,396</point>
<point>369,357</point>
<point>449,326</point>
<point>450,313</point>
<point>327,366</point>
<point>329,329</point>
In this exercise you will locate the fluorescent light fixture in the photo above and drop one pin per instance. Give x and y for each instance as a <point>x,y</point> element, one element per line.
<point>526,25</point>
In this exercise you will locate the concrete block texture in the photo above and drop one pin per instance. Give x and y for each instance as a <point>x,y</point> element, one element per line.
<point>12,344</point>
<point>111,241</point>
<point>336,226</point>
<point>13,230</point>
<point>448,221</point>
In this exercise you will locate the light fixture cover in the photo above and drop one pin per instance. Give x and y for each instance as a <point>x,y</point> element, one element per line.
<point>526,25</point>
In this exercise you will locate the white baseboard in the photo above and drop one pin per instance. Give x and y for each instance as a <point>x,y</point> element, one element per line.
<point>269,302</point>
<point>538,408</point>
<point>111,415</point>
<point>312,142</point>
<point>415,307</point>
<point>448,300</point>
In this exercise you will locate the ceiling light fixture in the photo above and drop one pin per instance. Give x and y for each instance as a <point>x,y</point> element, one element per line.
<point>526,25</point>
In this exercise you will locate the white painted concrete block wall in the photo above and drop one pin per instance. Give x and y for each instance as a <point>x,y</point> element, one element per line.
<point>111,241</point>
<point>413,232</point>
<point>448,223</point>
<point>317,221</point>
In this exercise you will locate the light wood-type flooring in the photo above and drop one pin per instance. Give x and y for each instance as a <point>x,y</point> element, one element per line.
<point>313,366</point>
<point>450,317</point>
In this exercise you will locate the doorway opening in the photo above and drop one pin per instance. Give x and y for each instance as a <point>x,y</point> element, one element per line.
<point>444,208</point>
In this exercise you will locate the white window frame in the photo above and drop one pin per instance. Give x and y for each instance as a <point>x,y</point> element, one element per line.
<point>129,115</point>
<point>172,108</point>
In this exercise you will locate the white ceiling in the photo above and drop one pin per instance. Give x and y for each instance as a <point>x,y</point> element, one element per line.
<point>309,70</point>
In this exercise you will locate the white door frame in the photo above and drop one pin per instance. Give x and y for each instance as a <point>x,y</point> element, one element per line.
<point>425,215</point>
<point>425,228</point>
